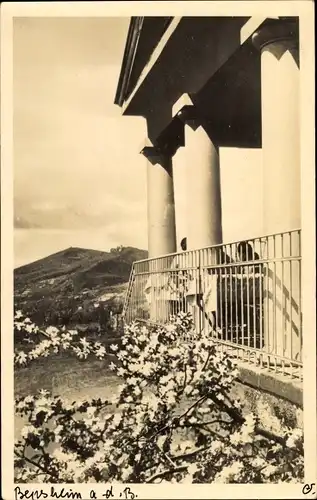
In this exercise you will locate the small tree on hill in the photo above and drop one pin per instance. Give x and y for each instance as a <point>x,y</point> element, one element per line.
<point>117,249</point>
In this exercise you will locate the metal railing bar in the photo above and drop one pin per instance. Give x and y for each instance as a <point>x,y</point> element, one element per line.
<point>219,245</point>
<point>221,266</point>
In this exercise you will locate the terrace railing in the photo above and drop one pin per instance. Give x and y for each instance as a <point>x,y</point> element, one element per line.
<point>247,294</point>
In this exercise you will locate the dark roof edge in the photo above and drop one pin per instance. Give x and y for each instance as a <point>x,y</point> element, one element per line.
<point>128,57</point>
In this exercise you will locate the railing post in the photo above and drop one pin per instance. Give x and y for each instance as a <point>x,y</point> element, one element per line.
<point>194,299</point>
<point>282,308</point>
<point>128,294</point>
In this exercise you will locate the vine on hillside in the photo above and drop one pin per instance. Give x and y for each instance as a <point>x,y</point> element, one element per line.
<point>172,420</point>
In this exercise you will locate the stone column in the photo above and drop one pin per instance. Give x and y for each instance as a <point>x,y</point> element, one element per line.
<point>204,221</point>
<point>161,227</point>
<point>278,43</point>
<point>203,183</point>
<point>160,203</point>
<point>203,189</point>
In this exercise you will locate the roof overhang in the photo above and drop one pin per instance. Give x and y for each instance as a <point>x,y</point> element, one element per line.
<point>134,32</point>
<point>214,61</point>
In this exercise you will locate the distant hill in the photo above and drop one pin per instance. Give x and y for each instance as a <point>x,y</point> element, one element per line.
<point>73,275</point>
<point>79,263</point>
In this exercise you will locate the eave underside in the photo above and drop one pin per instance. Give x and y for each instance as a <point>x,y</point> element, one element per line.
<point>207,58</point>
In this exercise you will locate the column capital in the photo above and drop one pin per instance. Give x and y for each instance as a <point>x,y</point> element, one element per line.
<point>284,32</point>
<point>167,143</point>
<point>156,155</point>
<point>187,112</point>
<point>153,154</point>
<point>184,101</point>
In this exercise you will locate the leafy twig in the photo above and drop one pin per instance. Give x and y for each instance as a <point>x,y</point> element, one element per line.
<point>207,360</point>
<point>167,472</point>
<point>35,464</point>
<point>191,454</point>
<point>185,378</point>
<point>200,400</point>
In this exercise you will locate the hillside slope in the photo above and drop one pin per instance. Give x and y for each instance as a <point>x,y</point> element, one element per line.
<point>73,277</point>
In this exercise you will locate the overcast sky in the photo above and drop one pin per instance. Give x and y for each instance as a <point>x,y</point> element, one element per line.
<point>79,179</point>
<point>76,164</point>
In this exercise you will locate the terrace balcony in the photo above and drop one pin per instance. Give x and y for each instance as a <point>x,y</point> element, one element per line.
<point>247,294</point>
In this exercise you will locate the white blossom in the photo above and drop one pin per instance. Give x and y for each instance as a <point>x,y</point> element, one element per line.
<point>269,470</point>
<point>52,331</point>
<point>150,406</point>
<point>26,430</point>
<point>21,357</point>
<point>294,437</point>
